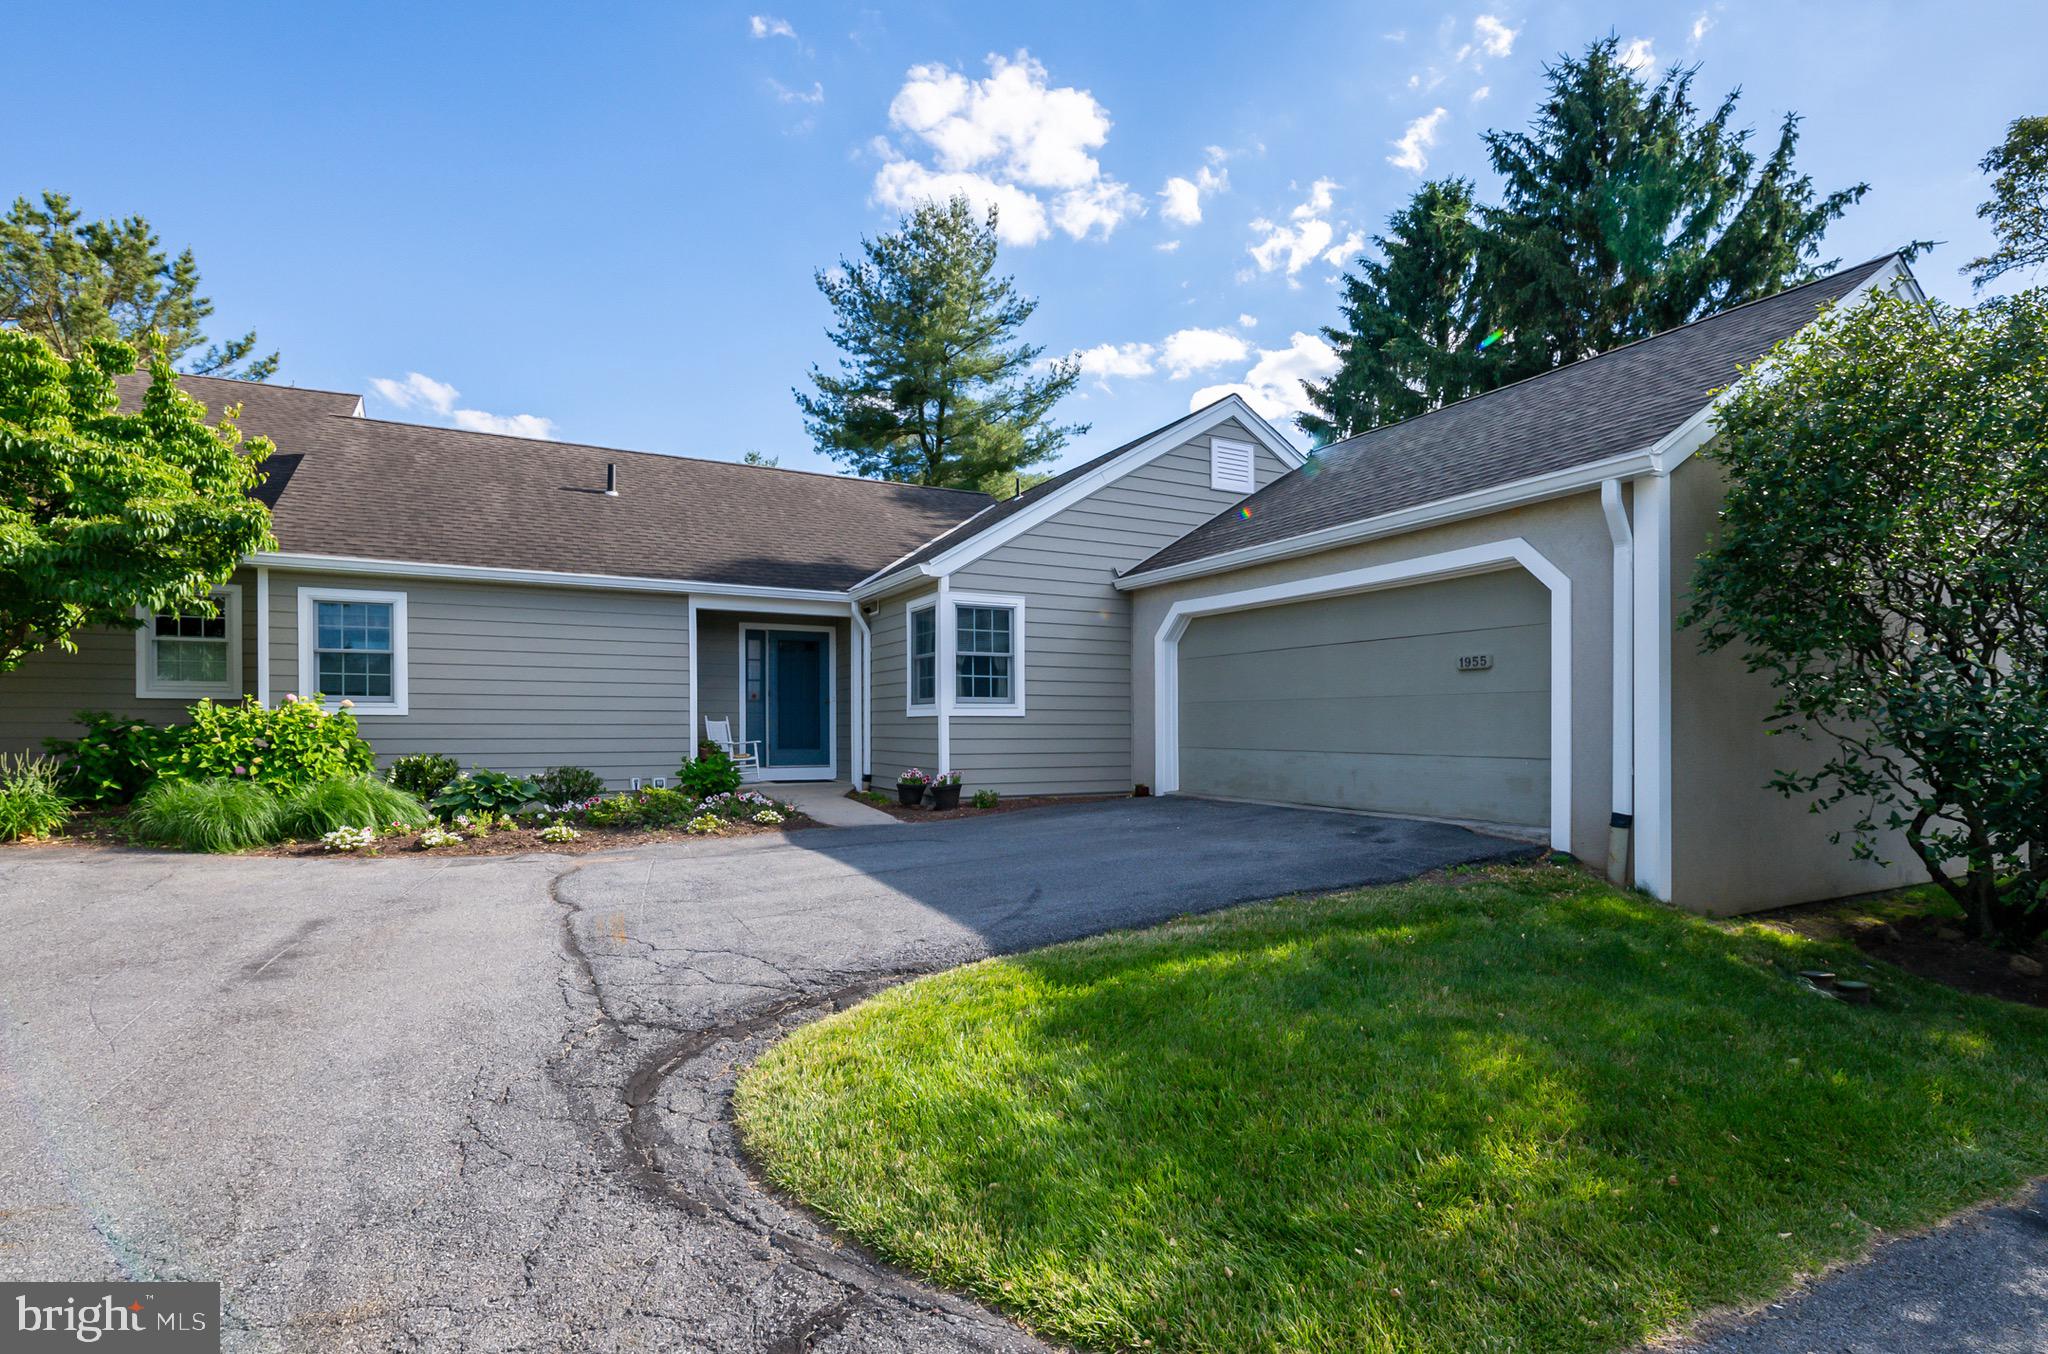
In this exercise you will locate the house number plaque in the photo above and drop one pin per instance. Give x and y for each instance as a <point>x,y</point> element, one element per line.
<point>1475,662</point>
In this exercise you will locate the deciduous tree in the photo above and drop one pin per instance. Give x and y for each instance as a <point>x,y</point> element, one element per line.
<point>2018,206</point>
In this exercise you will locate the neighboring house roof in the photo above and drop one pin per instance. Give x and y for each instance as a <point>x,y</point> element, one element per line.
<point>1076,481</point>
<point>343,485</point>
<point>1622,401</point>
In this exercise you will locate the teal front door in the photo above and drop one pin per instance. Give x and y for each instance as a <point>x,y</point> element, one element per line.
<point>789,697</point>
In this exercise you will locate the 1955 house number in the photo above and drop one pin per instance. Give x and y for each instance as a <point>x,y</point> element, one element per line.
<point>1475,662</point>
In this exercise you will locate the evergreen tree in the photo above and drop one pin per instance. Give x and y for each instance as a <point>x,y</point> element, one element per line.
<point>1407,344</point>
<point>2018,207</point>
<point>71,282</point>
<point>932,389</point>
<point>1624,212</point>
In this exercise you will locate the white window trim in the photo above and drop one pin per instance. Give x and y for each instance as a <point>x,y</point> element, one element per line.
<point>309,664</point>
<point>912,709</point>
<point>147,687</point>
<point>1250,482</point>
<point>1014,707</point>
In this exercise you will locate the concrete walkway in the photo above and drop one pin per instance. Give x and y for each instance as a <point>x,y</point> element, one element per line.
<point>826,801</point>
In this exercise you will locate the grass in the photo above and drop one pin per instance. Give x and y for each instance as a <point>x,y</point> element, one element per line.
<point>1504,1109</point>
<point>349,801</point>
<point>207,815</point>
<point>31,804</point>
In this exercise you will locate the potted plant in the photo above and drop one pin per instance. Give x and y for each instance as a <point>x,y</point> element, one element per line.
<point>946,790</point>
<point>910,788</point>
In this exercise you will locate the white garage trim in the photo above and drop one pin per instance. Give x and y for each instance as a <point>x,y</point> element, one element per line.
<point>1475,559</point>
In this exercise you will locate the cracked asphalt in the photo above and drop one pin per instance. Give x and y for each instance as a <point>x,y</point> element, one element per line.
<point>481,1104</point>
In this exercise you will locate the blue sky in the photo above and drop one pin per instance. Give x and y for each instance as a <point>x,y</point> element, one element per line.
<point>603,221</point>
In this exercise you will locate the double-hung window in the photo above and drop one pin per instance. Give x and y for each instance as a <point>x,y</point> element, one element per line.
<point>352,648</point>
<point>924,657</point>
<point>187,655</point>
<point>985,641</point>
<point>985,660</point>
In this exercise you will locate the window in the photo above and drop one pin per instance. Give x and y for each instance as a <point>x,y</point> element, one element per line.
<point>1231,466</point>
<point>982,653</point>
<point>924,655</point>
<point>184,656</point>
<point>352,648</point>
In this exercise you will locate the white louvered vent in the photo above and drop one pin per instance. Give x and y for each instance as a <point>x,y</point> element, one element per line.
<point>1230,466</point>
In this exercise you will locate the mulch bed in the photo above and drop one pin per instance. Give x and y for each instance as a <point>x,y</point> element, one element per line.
<point>1006,804</point>
<point>1926,946</point>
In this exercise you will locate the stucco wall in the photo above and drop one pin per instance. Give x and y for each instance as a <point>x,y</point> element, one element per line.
<point>1570,533</point>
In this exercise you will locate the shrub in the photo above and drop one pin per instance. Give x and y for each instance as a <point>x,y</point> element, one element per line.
<point>710,773</point>
<point>986,799</point>
<point>642,808</point>
<point>424,774</point>
<point>353,802</point>
<point>737,805</point>
<point>207,815</point>
<point>113,759</point>
<point>297,743</point>
<point>709,822</point>
<point>32,804</point>
<point>485,793</point>
<point>564,785</point>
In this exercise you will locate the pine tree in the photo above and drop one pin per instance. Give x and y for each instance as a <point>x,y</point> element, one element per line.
<point>1624,212</point>
<point>1407,344</point>
<point>931,388</point>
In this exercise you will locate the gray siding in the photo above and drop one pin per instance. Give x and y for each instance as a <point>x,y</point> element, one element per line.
<point>1357,702</point>
<point>38,699</point>
<point>1076,735</point>
<point>898,740</point>
<point>519,679</point>
<point>718,681</point>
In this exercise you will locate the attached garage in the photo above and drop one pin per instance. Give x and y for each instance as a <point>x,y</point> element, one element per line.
<point>1432,699</point>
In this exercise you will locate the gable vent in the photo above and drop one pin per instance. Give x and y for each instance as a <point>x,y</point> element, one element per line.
<point>1230,466</point>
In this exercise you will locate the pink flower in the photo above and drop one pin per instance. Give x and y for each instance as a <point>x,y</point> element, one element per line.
<point>348,705</point>
<point>241,770</point>
<point>291,695</point>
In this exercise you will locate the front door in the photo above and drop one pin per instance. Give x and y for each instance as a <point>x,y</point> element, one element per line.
<point>788,697</point>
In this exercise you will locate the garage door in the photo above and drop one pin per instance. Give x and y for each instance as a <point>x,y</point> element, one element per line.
<point>1431,700</point>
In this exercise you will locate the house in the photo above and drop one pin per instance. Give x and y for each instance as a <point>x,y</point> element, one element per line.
<point>1464,616</point>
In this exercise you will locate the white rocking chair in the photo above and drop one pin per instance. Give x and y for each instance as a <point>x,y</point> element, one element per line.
<point>745,753</point>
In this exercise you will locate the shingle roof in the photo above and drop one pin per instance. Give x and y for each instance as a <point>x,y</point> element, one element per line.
<point>1620,401</point>
<point>373,489</point>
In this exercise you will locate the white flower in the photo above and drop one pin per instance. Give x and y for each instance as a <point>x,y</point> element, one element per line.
<point>348,839</point>
<point>704,822</point>
<point>438,836</point>
<point>559,832</point>
<point>768,816</point>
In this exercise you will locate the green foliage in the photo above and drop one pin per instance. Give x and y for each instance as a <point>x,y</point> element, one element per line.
<point>1517,1110</point>
<point>102,512</point>
<point>2018,206</point>
<point>32,800</point>
<point>1625,210</point>
<point>1883,557</point>
<point>73,283</point>
<point>349,801</point>
<point>114,758</point>
<point>710,773</point>
<point>931,389</point>
<point>642,808</point>
<point>424,774</point>
<point>986,799</point>
<point>296,743</point>
<point>484,793</point>
<point>207,815</point>
<point>561,785</point>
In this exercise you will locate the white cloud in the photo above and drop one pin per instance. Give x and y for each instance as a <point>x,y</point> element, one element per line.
<point>1493,37</point>
<point>1318,203</point>
<point>422,392</point>
<point>1289,247</point>
<point>765,26</point>
<point>1481,92</point>
<point>1002,138</point>
<point>1105,360</point>
<point>1700,26</point>
<point>1247,322</point>
<point>1639,54</point>
<point>1184,196</point>
<point>788,95</point>
<point>1020,216</point>
<point>1349,248</point>
<point>1187,351</point>
<point>1167,246</point>
<point>1416,141</point>
<point>1273,385</point>
<point>417,392</point>
<point>505,425</point>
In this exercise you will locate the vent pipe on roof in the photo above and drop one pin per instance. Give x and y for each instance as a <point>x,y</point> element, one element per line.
<point>611,479</point>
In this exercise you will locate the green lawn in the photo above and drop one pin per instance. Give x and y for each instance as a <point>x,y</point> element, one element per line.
<point>1510,1109</point>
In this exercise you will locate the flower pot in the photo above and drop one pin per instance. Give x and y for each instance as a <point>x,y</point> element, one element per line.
<point>910,796</point>
<point>946,796</point>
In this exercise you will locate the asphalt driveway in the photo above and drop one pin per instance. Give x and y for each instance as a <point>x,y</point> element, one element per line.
<point>479,1103</point>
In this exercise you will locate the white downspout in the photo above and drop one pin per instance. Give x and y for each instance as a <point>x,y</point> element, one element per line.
<point>696,728</point>
<point>1653,640</point>
<point>1622,771</point>
<point>862,639</point>
<point>942,618</point>
<point>263,635</point>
